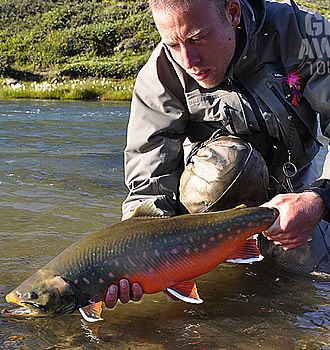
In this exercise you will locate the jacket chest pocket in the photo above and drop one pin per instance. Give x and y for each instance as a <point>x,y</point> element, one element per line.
<point>285,115</point>
<point>296,127</point>
<point>225,108</point>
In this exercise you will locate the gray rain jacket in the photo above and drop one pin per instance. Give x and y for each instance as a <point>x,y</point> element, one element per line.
<point>168,106</point>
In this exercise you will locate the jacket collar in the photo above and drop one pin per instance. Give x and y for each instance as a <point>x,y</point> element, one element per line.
<point>253,17</point>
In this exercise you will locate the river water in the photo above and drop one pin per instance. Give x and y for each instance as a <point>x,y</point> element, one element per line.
<point>61,177</point>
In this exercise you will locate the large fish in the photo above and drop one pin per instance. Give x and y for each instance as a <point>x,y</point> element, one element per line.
<point>161,254</point>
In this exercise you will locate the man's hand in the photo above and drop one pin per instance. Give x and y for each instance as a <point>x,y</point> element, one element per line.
<point>125,294</point>
<point>300,213</point>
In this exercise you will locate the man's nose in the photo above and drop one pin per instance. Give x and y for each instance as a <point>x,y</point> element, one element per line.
<point>189,56</point>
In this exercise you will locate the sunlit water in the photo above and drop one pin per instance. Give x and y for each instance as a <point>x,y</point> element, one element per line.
<point>61,177</point>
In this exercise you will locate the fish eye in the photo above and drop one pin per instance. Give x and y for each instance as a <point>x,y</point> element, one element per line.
<point>33,295</point>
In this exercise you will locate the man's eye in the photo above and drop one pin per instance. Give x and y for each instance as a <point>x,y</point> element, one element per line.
<point>172,46</point>
<point>198,38</point>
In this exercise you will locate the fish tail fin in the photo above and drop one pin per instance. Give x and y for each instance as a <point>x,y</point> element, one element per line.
<point>92,312</point>
<point>184,291</point>
<point>247,253</point>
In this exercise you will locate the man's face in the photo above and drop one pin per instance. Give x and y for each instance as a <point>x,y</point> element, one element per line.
<point>200,41</point>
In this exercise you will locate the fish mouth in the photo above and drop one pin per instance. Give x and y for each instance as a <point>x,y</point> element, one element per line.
<point>27,308</point>
<point>34,307</point>
<point>21,311</point>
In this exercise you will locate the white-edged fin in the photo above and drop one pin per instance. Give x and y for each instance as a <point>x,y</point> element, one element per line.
<point>246,261</point>
<point>92,312</point>
<point>147,209</point>
<point>184,291</point>
<point>247,253</point>
<point>172,293</point>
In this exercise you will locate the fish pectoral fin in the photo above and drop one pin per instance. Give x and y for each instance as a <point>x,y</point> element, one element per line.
<point>92,312</point>
<point>247,253</point>
<point>185,291</point>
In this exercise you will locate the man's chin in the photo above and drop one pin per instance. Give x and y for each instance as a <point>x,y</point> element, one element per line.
<point>209,83</point>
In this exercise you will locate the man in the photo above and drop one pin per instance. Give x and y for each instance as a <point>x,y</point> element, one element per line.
<point>245,68</point>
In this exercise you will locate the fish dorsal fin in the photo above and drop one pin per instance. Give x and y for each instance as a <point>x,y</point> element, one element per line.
<point>92,312</point>
<point>185,291</point>
<point>241,206</point>
<point>147,209</point>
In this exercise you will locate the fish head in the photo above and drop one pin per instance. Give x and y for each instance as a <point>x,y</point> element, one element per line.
<point>42,294</point>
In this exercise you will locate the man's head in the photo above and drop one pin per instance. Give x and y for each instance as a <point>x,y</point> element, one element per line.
<point>200,35</point>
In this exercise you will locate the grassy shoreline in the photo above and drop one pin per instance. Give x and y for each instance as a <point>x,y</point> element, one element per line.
<point>69,89</point>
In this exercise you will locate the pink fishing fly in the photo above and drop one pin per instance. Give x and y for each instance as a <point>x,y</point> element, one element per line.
<point>293,80</point>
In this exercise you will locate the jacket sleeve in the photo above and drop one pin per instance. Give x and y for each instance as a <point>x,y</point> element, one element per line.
<point>153,155</point>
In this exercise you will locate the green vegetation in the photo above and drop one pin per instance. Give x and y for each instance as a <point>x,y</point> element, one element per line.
<point>77,49</point>
<point>57,40</point>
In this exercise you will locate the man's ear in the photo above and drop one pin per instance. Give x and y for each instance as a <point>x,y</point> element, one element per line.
<point>233,11</point>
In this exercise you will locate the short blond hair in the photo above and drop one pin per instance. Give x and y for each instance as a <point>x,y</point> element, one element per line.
<point>156,5</point>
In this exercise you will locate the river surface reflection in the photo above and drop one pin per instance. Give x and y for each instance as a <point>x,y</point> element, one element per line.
<point>61,177</point>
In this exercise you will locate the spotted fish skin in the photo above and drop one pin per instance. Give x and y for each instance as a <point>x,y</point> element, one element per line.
<point>155,252</point>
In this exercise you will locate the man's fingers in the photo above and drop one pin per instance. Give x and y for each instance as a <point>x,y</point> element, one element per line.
<point>137,292</point>
<point>124,292</point>
<point>111,296</point>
